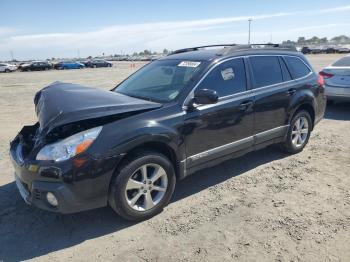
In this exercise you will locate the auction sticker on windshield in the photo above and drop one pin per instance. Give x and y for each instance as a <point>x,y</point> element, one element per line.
<point>189,64</point>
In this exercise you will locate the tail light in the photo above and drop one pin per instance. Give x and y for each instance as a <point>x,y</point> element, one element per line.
<point>325,75</point>
<point>320,80</point>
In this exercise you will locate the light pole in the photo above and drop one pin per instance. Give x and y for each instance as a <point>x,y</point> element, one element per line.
<point>249,22</point>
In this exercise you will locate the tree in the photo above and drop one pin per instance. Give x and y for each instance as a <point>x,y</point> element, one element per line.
<point>165,51</point>
<point>301,40</point>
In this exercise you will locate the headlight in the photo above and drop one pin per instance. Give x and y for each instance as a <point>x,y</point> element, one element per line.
<point>70,146</point>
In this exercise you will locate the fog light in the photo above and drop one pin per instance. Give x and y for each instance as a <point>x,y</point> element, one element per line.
<point>51,199</point>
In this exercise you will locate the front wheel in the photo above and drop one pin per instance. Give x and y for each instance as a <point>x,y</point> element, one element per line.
<point>143,186</point>
<point>299,132</point>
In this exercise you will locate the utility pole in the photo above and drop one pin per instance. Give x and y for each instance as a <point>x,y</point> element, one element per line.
<point>78,53</point>
<point>11,53</point>
<point>249,22</point>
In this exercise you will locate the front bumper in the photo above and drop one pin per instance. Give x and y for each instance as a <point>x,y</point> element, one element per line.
<point>80,183</point>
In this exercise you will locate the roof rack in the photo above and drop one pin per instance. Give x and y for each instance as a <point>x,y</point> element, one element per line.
<point>199,47</point>
<point>257,47</point>
<point>229,48</point>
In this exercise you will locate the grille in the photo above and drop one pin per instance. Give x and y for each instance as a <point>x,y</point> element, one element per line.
<point>37,194</point>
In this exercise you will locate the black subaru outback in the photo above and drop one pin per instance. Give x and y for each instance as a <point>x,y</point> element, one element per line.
<point>190,110</point>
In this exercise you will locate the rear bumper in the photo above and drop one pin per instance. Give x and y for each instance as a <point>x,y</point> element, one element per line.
<point>337,93</point>
<point>78,184</point>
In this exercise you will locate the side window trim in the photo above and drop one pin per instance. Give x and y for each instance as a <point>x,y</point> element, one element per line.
<point>252,74</point>
<point>311,71</point>
<point>249,76</point>
<point>283,62</point>
<point>191,93</point>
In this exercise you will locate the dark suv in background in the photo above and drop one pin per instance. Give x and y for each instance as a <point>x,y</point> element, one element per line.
<point>35,66</point>
<point>190,110</point>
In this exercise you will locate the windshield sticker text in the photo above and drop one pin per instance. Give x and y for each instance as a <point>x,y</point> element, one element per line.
<point>189,64</point>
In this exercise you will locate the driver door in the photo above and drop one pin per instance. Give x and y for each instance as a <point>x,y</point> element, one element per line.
<point>217,130</point>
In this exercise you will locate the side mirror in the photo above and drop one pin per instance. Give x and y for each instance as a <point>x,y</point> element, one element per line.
<point>205,97</point>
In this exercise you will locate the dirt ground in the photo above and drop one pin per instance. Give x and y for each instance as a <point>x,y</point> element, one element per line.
<point>265,206</point>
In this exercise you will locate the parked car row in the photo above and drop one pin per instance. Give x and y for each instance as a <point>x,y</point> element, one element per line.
<point>325,50</point>
<point>62,65</point>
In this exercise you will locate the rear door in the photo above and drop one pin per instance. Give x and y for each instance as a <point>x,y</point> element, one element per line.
<point>214,131</point>
<point>273,89</point>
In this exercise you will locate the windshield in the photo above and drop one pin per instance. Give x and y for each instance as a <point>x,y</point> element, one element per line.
<point>161,80</point>
<point>345,61</point>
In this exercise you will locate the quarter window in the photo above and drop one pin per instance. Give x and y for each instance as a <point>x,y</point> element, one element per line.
<point>266,70</point>
<point>227,78</point>
<point>297,68</point>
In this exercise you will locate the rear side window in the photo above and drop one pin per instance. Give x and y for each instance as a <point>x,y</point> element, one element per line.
<point>266,70</point>
<point>297,67</point>
<point>227,78</point>
<point>344,61</point>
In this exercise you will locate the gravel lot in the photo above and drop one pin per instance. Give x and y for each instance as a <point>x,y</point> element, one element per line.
<point>264,206</point>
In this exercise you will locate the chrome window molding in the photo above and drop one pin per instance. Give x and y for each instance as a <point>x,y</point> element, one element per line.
<point>190,94</point>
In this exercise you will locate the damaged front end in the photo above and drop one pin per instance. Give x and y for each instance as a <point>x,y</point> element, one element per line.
<point>77,181</point>
<point>54,169</point>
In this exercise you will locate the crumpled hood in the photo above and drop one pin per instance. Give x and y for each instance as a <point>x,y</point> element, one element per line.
<point>63,103</point>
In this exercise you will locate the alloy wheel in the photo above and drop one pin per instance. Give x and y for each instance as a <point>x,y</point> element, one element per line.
<point>146,187</point>
<point>300,131</point>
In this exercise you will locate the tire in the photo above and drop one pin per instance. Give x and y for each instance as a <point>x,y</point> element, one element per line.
<point>292,143</point>
<point>7,70</point>
<point>94,66</point>
<point>123,201</point>
<point>330,102</point>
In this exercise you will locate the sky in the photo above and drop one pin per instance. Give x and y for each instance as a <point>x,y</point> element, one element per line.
<point>39,29</point>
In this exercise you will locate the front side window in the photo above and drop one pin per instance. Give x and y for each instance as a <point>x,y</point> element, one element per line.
<point>297,67</point>
<point>161,80</point>
<point>227,78</point>
<point>266,70</point>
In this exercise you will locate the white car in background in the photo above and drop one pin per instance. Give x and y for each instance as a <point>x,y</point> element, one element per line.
<point>4,67</point>
<point>337,80</point>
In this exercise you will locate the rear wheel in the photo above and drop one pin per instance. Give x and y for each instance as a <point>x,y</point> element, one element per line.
<point>7,70</point>
<point>94,66</point>
<point>143,186</point>
<point>298,133</point>
<point>330,102</point>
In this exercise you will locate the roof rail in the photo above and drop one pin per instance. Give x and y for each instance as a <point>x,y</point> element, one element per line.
<point>258,46</point>
<point>236,47</point>
<point>199,47</point>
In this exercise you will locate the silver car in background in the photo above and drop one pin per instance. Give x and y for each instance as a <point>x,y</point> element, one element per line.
<point>337,80</point>
<point>4,67</point>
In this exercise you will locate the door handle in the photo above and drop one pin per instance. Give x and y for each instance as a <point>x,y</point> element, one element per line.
<point>245,105</point>
<point>291,91</point>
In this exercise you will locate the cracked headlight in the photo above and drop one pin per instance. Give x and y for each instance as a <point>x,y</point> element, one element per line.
<point>70,146</point>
